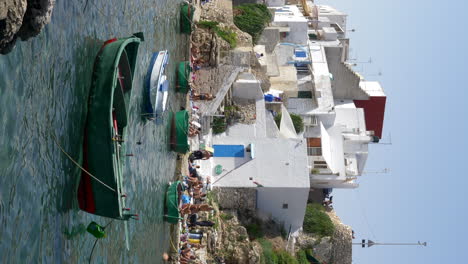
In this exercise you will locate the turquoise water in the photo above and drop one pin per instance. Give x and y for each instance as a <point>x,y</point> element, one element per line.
<point>44,84</point>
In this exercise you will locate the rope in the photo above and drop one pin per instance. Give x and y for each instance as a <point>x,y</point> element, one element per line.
<point>172,244</point>
<point>78,165</point>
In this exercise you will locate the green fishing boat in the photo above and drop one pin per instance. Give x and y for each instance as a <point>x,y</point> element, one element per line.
<point>183,76</point>
<point>179,132</point>
<point>100,191</point>
<point>172,213</point>
<point>186,17</point>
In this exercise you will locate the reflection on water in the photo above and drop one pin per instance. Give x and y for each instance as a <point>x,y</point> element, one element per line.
<point>44,85</point>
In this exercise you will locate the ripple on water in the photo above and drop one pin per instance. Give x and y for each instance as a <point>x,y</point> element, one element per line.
<point>44,84</point>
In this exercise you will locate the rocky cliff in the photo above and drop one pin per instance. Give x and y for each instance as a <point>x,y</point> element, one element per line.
<point>22,19</point>
<point>336,249</point>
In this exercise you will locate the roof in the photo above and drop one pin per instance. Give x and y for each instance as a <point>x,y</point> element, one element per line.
<point>374,108</point>
<point>278,163</point>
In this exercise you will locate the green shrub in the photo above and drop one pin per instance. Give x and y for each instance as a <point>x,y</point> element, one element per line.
<point>302,257</point>
<point>316,221</point>
<point>228,35</point>
<point>271,256</point>
<point>225,33</point>
<point>219,125</point>
<point>252,18</point>
<point>296,119</point>
<point>254,230</point>
<point>268,256</point>
<point>226,216</point>
<point>208,24</point>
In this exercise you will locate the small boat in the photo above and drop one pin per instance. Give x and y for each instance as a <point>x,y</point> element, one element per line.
<point>172,213</point>
<point>100,190</point>
<point>186,17</point>
<point>179,132</point>
<point>183,76</point>
<point>157,86</point>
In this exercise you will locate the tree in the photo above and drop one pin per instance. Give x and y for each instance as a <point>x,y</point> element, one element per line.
<point>296,119</point>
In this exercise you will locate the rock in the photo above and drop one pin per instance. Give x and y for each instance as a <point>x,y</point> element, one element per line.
<point>323,250</point>
<point>23,19</point>
<point>11,18</point>
<point>37,16</point>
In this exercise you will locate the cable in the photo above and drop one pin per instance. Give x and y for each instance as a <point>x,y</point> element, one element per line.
<point>363,213</point>
<point>78,165</point>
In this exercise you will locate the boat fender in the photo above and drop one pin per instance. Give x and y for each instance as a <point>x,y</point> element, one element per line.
<point>96,230</point>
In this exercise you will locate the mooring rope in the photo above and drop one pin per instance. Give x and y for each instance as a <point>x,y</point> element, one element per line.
<point>78,165</point>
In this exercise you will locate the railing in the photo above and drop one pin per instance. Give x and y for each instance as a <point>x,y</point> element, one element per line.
<point>314,151</point>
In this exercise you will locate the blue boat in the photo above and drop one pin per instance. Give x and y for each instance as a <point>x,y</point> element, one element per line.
<point>157,86</point>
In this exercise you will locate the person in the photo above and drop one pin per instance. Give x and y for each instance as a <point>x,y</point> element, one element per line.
<point>328,203</point>
<point>194,208</point>
<point>166,257</point>
<point>193,131</point>
<point>203,96</point>
<point>199,155</point>
<point>204,223</point>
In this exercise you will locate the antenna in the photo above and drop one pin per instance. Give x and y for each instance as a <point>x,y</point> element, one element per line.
<point>386,170</point>
<point>355,61</point>
<point>371,243</point>
<point>385,143</point>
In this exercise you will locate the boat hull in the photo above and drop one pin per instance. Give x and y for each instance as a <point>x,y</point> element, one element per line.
<point>186,17</point>
<point>183,76</point>
<point>157,86</point>
<point>179,132</point>
<point>172,214</point>
<point>105,128</point>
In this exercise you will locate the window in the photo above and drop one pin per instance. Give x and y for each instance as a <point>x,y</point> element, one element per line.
<point>304,94</point>
<point>314,147</point>
<point>285,206</point>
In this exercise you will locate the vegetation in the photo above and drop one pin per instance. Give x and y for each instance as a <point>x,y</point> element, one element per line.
<point>228,35</point>
<point>252,18</point>
<point>255,231</point>
<point>314,171</point>
<point>272,256</point>
<point>225,33</point>
<point>302,257</point>
<point>219,125</point>
<point>316,221</point>
<point>208,24</point>
<point>226,216</point>
<point>296,119</point>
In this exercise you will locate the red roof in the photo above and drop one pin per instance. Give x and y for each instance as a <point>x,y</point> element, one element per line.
<point>374,111</point>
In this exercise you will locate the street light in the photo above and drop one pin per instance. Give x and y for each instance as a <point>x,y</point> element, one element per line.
<point>371,243</point>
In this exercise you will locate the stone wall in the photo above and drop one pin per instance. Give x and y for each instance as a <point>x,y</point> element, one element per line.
<point>236,198</point>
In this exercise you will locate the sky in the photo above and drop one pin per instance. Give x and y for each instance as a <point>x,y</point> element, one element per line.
<point>418,47</point>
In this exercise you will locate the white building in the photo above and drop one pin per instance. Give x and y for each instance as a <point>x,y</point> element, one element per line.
<point>342,112</point>
<point>294,23</point>
<point>261,157</point>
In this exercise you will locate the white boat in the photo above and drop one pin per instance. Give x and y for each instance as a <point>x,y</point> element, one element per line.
<point>157,86</point>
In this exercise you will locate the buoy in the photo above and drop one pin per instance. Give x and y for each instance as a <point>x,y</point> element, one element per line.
<point>96,230</point>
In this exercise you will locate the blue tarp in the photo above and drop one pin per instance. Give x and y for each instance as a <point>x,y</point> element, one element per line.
<point>236,151</point>
<point>300,54</point>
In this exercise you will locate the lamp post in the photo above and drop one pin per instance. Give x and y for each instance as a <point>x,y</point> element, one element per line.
<point>371,243</point>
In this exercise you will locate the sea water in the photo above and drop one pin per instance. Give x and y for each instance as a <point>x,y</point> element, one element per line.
<point>44,84</point>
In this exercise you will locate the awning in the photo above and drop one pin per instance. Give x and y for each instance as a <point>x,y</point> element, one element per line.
<point>287,129</point>
<point>332,148</point>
